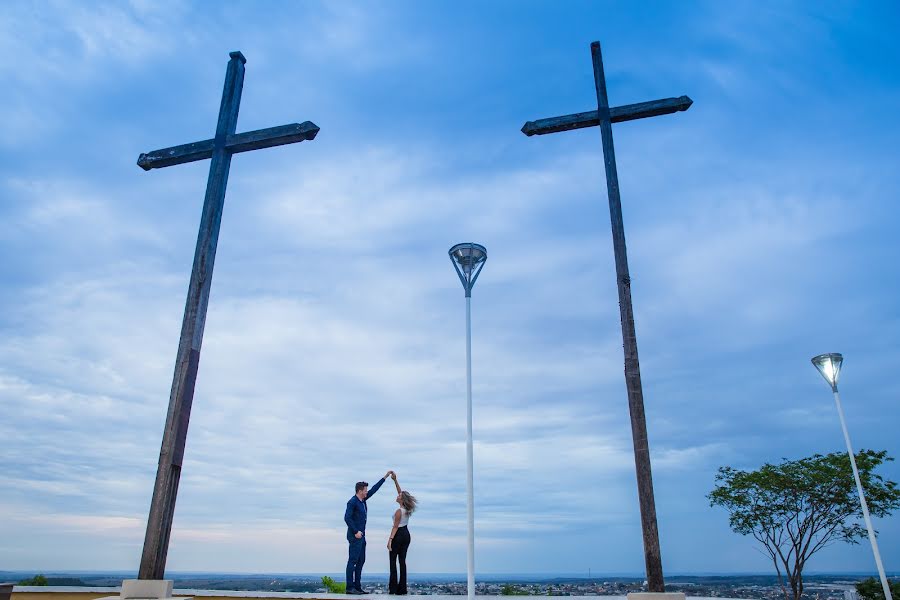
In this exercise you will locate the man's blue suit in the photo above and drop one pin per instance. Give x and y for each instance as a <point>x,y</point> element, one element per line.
<point>355,518</point>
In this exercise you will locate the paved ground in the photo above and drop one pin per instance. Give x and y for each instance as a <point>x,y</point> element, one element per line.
<point>21,592</point>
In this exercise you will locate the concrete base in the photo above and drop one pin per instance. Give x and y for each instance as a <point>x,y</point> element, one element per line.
<point>656,596</point>
<point>149,588</point>
<point>146,589</point>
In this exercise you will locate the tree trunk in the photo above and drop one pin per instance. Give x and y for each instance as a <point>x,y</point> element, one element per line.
<point>796,577</point>
<point>780,576</point>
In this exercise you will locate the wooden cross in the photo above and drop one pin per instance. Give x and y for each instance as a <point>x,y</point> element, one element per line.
<point>605,116</point>
<point>219,149</point>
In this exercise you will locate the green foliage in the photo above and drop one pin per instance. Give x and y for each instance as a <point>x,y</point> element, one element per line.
<point>332,586</point>
<point>870,589</point>
<point>66,581</point>
<point>796,508</point>
<point>511,590</point>
<point>41,580</point>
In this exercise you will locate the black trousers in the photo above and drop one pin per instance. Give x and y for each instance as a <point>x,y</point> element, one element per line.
<point>399,546</point>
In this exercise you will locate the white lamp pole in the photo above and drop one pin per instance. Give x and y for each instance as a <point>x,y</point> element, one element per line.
<point>468,260</point>
<point>829,365</point>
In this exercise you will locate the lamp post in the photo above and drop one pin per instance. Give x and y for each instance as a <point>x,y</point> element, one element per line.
<point>468,259</point>
<point>829,365</point>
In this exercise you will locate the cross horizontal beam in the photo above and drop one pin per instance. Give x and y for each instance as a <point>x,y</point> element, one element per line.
<point>617,114</point>
<point>240,142</point>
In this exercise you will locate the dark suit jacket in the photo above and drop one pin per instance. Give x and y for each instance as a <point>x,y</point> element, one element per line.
<point>355,515</point>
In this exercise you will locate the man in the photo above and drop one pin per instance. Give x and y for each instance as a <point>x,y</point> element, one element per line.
<point>355,518</point>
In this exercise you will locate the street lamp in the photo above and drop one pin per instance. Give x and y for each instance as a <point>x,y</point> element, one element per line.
<point>468,259</point>
<point>829,365</point>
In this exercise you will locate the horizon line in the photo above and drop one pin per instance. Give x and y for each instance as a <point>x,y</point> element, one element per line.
<point>572,574</point>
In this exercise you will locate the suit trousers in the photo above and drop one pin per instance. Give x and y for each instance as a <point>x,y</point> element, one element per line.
<point>355,561</point>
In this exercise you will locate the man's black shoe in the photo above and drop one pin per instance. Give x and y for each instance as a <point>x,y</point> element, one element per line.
<point>362,591</point>
<point>352,591</point>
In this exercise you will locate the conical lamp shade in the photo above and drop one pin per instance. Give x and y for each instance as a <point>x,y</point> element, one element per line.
<point>829,365</point>
<point>468,260</point>
<point>468,256</point>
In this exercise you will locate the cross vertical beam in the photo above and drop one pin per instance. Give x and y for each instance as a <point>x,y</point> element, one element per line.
<point>605,116</point>
<point>652,557</point>
<point>219,150</point>
<point>171,455</point>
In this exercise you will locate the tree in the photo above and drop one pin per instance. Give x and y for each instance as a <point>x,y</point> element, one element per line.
<point>796,508</point>
<point>332,586</point>
<point>36,580</point>
<point>870,589</point>
<point>511,590</point>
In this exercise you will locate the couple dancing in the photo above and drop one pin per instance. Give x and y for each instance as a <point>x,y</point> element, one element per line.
<point>398,541</point>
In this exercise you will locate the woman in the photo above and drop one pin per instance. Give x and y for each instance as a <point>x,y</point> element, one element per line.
<point>398,542</point>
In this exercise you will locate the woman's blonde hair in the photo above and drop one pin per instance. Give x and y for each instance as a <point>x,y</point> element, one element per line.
<point>408,501</point>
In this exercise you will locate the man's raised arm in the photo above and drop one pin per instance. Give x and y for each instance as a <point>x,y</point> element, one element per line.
<point>377,486</point>
<point>374,488</point>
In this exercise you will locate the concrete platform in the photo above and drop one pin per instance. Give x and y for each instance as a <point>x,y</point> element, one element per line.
<point>92,593</point>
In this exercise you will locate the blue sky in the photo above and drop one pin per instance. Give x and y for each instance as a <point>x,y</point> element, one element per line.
<point>760,227</point>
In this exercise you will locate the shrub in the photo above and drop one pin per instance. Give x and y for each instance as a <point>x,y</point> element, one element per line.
<point>334,587</point>
<point>870,589</point>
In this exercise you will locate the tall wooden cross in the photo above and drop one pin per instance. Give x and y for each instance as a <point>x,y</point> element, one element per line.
<point>605,116</point>
<point>219,149</point>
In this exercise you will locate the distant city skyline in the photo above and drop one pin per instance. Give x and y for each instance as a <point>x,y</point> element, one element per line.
<point>461,576</point>
<point>761,229</point>
<point>755,587</point>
